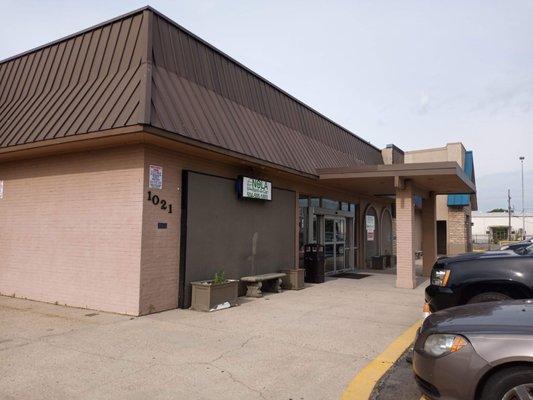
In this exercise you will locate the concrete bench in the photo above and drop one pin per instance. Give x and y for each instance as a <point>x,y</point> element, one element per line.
<point>254,283</point>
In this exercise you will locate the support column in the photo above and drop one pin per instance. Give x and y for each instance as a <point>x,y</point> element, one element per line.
<point>429,233</point>
<point>457,233</point>
<point>297,230</point>
<point>405,236</point>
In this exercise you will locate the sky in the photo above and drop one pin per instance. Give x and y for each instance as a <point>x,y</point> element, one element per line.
<point>417,74</point>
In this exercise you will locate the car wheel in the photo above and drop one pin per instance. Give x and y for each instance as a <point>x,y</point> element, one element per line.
<point>514,383</point>
<point>488,296</point>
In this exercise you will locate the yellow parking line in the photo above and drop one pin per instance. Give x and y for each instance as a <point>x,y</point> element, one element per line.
<point>363,383</point>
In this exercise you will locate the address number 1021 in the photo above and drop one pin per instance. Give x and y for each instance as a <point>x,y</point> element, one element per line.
<point>156,201</point>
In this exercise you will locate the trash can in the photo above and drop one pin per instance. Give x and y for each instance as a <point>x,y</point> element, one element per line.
<point>314,263</point>
<point>378,262</point>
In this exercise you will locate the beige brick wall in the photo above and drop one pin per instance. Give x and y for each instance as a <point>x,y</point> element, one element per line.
<point>160,247</point>
<point>459,230</point>
<point>71,229</point>
<point>405,237</point>
<point>418,229</point>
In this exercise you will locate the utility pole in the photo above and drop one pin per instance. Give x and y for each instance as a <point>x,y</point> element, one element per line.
<point>509,213</point>
<point>521,158</point>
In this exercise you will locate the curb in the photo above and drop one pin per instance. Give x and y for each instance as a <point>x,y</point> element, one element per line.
<point>361,386</point>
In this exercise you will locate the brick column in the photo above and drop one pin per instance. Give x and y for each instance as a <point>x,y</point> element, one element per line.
<point>405,237</point>
<point>297,230</point>
<point>429,233</point>
<point>457,231</point>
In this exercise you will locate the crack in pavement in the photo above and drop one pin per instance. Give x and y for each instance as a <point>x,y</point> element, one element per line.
<point>235,349</point>
<point>259,392</point>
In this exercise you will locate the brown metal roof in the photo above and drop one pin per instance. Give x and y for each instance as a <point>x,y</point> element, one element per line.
<point>85,83</point>
<point>142,68</point>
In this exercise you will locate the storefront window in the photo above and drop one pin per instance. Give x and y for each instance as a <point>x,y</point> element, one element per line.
<point>330,204</point>
<point>328,230</point>
<point>354,209</point>
<point>303,226</point>
<point>345,206</point>
<point>314,202</point>
<point>315,229</point>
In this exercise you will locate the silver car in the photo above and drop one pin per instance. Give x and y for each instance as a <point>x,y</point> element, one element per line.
<point>478,351</point>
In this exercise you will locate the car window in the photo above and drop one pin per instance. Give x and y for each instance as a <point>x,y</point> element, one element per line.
<point>529,250</point>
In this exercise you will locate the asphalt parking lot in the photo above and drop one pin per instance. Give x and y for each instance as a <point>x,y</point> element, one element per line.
<point>397,383</point>
<point>306,344</point>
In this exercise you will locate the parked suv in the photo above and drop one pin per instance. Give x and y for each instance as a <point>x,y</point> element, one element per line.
<point>482,277</point>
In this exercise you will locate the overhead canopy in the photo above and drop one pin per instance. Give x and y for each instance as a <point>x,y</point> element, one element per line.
<point>382,180</point>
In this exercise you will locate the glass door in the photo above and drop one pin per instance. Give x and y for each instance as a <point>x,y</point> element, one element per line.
<point>340,244</point>
<point>335,244</point>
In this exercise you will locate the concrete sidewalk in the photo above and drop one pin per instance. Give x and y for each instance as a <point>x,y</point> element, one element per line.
<point>305,344</point>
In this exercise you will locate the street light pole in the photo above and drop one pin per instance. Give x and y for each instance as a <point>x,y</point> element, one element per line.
<point>509,227</point>
<point>521,158</point>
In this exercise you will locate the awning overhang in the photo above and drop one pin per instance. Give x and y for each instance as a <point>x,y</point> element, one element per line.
<point>383,180</point>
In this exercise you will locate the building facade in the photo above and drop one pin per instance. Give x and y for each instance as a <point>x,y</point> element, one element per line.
<point>493,227</point>
<point>136,158</point>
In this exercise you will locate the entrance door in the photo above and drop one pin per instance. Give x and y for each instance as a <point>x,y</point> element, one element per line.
<point>335,244</point>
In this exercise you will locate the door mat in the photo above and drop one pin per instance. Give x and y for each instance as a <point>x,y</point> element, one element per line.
<point>350,275</point>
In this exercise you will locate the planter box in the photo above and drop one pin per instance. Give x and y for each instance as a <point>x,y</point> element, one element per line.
<point>209,297</point>
<point>294,279</point>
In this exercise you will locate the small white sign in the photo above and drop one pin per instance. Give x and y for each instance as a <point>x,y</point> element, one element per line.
<point>370,223</point>
<point>1,189</point>
<point>256,189</point>
<point>156,177</point>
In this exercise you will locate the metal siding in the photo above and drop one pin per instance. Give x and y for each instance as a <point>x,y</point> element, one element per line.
<point>82,84</point>
<point>95,80</point>
<point>236,110</point>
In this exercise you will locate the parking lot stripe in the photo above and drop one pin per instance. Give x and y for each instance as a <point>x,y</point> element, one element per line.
<point>363,383</point>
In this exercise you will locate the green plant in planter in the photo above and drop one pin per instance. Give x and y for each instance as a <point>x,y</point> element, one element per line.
<point>220,278</point>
